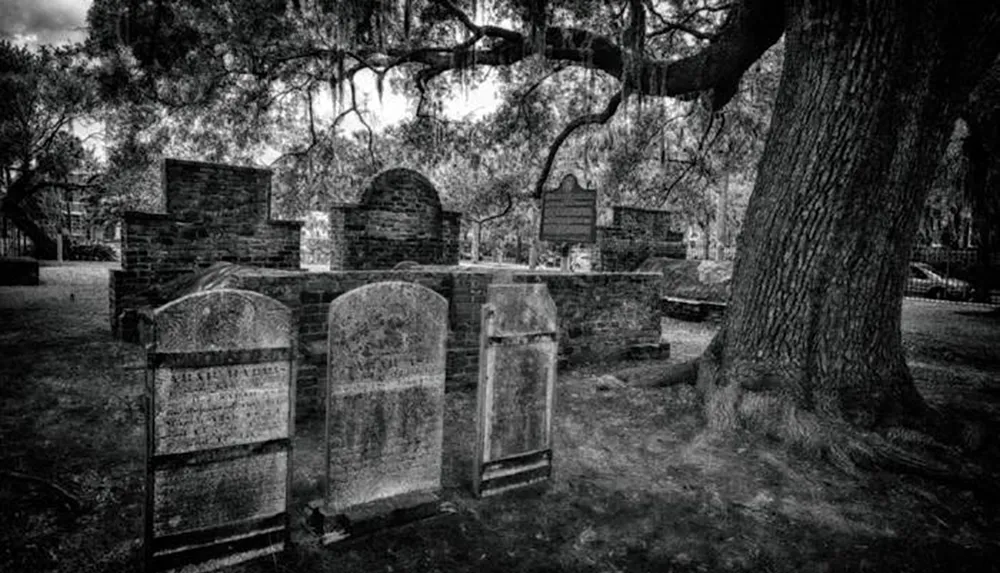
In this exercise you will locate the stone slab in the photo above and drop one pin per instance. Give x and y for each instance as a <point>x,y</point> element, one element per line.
<point>220,416</point>
<point>518,355</point>
<point>385,396</point>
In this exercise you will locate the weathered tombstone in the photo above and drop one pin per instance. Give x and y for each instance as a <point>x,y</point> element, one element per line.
<point>517,361</point>
<point>385,408</point>
<point>220,392</point>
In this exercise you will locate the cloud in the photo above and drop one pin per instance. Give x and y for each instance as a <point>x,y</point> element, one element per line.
<point>34,22</point>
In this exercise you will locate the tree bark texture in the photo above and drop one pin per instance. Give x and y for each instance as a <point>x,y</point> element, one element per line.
<point>868,97</point>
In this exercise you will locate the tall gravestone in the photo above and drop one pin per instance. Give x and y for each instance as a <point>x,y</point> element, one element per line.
<point>385,407</point>
<point>220,391</point>
<point>517,364</point>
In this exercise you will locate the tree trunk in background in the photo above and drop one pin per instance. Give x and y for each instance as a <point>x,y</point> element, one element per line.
<point>535,243</point>
<point>811,339</point>
<point>13,207</point>
<point>983,187</point>
<point>982,149</point>
<point>477,241</point>
<point>45,246</point>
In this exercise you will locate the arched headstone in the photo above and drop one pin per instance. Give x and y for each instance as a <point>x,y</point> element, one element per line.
<point>385,406</point>
<point>220,419</point>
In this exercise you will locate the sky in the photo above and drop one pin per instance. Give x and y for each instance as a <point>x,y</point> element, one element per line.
<point>36,22</point>
<point>33,23</point>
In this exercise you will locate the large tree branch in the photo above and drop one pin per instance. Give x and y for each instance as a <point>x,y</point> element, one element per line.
<point>684,25</point>
<point>754,27</point>
<point>510,205</point>
<point>491,31</point>
<point>589,119</point>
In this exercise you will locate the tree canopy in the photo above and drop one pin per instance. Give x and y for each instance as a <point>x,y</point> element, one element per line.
<point>44,93</point>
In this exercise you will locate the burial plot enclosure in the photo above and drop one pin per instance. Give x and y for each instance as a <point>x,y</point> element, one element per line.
<point>399,218</point>
<point>218,213</point>
<point>220,418</point>
<point>214,213</point>
<point>516,388</point>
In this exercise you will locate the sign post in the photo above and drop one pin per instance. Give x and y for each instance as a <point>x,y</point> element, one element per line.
<point>569,215</point>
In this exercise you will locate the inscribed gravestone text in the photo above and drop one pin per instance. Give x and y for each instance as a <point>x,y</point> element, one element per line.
<point>220,387</point>
<point>516,388</point>
<point>385,399</point>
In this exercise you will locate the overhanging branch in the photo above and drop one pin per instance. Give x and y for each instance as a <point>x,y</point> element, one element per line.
<point>589,119</point>
<point>753,28</point>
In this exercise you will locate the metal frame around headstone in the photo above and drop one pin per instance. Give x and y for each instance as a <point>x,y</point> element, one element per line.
<point>517,362</point>
<point>385,409</point>
<point>220,412</point>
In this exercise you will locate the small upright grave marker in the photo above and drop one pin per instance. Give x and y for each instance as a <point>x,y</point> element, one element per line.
<point>219,423</point>
<point>516,388</point>
<point>385,408</point>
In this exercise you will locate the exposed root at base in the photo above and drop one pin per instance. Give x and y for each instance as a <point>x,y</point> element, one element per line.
<point>660,376</point>
<point>758,409</point>
<point>852,450</point>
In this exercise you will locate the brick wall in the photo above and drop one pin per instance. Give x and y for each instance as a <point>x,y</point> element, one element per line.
<point>399,218</point>
<point>601,316</point>
<point>635,235</point>
<point>214,213</point>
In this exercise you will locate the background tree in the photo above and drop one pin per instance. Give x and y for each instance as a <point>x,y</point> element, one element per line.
<point>942,221</point>
<point>43,94</point>
<point>982,182</point>
<point>810,351</point>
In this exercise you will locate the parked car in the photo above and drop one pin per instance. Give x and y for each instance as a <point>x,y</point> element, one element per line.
<point>926,282</point>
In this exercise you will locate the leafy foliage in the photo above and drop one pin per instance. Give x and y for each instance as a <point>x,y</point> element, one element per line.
<point>225,81</point>
<point>43,93</point>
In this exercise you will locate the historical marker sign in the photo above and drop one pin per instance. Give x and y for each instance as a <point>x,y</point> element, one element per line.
<point>569,213</point>
<point>516,388</point>
<point>385,404</point>
<point>220,393</point>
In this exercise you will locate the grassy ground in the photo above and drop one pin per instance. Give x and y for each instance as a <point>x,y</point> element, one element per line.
<point>637,487</point>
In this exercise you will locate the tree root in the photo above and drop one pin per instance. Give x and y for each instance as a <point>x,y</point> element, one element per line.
<point>660,376</point>
<point>851,450</point>
<point>758,405</point>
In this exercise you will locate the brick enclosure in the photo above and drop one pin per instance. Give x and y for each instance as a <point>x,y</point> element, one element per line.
<point>635,235</point>
<point>398,218</point>
<point>219,213</point>
<point>602,316</point>
<point>214,213</point>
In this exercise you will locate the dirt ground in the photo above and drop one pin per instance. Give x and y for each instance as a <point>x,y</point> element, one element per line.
<point>637,486</point>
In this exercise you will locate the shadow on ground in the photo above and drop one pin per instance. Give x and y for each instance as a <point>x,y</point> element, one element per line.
<point>637,486</point>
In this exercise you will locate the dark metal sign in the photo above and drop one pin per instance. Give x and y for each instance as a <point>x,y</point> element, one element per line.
<point>569,213</point>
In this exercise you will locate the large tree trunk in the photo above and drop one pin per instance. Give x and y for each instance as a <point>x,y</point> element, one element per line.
<point>811,338</point>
